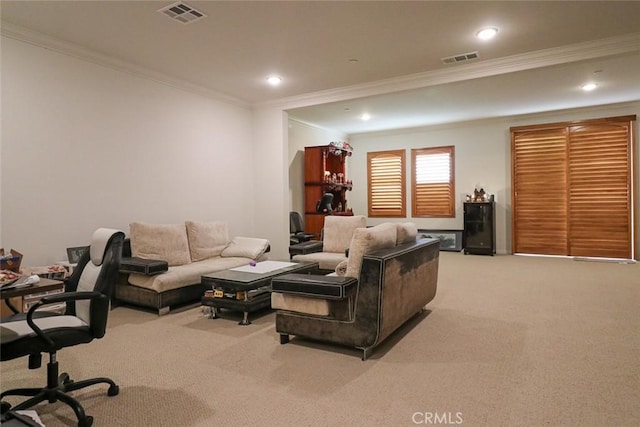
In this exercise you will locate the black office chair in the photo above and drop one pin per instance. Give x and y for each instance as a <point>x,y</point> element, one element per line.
<point>325,205</point>
<point>87,296</point>
<point>296,229</point>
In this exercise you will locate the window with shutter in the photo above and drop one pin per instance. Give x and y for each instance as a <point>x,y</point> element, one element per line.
<point>433,187</point>
<point>386,179</point>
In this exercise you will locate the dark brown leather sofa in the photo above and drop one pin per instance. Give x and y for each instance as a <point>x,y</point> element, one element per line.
<point>394,284</point>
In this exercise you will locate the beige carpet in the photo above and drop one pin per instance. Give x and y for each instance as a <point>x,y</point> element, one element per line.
<point>508,341</point>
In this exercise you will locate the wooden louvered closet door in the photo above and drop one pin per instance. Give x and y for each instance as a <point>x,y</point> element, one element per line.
<point>572,188</point>
<point>599,191</point>
<point>540,192</point>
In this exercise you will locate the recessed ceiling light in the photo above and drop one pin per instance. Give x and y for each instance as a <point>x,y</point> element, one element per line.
<point>365,117</point>
<point>274,80</point>
<point>487,33</point>
<point>353,61</point>
<point>589,87</point>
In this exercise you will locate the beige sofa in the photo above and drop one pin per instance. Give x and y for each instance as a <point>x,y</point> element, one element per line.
<point>191,249</point>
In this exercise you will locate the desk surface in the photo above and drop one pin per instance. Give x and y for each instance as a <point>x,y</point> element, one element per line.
<point>42,286</point>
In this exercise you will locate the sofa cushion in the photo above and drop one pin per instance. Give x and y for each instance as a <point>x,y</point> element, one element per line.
<point>367,240</point>
<point>166,242</point>
<point>247,247</point>
<point>300,304</point>
<point>325,260</point>
<point>338,231</point>
<point>185,275</point>
<point>207,239</point>
<point>407,232</point>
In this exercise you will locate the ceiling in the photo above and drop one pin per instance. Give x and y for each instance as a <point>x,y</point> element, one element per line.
<point>341,59</point>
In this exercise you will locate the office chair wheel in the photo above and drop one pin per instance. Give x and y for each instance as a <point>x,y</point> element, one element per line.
<point>4,407</point>
<point>64,379</point>
<point>113,390</point>
<point>86,421</point>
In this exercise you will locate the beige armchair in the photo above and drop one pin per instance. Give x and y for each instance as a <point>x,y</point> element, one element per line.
<point>337,234</point>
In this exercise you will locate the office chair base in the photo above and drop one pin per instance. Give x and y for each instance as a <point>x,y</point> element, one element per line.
<point>57,389</point>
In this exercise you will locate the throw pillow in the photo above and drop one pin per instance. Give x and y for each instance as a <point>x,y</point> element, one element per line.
<point>167,242</point>
<point>341,268</point>
<point>207,239</point>
<point>246,247</point>
<point>407,232</point>
<point>367,240</point>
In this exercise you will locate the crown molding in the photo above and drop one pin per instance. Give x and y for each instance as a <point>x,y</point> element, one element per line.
<point>508,120</point>
<point>565,54</point>
<point>310,125</point>
<point>543,58</point>
<point>34,38</point>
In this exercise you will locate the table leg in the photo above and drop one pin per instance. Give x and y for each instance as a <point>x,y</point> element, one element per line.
<point>7,301</point>
<point>213,314</point>
<point>245,319</point>
<point>245,315</point>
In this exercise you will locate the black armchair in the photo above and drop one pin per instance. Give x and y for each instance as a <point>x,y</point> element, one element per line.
<point>87,296</point>
<point>296,229</point>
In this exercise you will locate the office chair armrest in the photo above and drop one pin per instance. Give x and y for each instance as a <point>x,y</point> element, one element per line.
<point>66,296</point>
<point>53,299</point>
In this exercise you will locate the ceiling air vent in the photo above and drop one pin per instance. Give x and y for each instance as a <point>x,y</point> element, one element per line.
<point>182,12</point>
<point>460,58</point>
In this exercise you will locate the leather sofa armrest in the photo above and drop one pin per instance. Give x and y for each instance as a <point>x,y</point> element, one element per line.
<point>148,267</point>
<point>304,248</point>
<point>327,287</point>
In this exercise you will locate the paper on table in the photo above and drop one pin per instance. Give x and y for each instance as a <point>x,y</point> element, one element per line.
<point>263,267</point>
<point>22,282</point>
<point>33,415</point>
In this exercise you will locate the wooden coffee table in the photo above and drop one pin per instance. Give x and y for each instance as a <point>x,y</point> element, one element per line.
<point>247,288</point>
<point>43,287</point>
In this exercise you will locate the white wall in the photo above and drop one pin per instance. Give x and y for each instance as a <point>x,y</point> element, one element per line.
<point>482,157</point>
<point>305,135</point>
<point>270,177</point>
<point>85,146</point>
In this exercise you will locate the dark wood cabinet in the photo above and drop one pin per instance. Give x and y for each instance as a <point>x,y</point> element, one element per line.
<point>479,236</point>
<point>324,172</point>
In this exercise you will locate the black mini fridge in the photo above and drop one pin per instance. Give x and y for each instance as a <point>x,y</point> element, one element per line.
<point>479,236</point>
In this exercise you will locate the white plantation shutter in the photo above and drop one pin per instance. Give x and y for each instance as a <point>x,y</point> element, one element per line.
<point>386,179</point>
<point>433,187</point>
